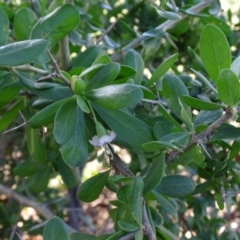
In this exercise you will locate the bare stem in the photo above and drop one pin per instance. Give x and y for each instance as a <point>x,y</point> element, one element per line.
<point>65,53</point>
<point>164,27</point>
<point>31,68</point>
<point>199,137</point>
<point>128,236</point>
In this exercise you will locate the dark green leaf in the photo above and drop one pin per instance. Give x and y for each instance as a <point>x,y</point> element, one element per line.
<point>104,59</point>
<point>46,115</point>
<point>19,53</point>
<point>228,87</point>
<point>126,71</point>
<point>104,76</point>
<point>207,117</point>
<point>176,186</point>
<point>4,27</point>
<point>200,104</point>
<point>214,51</point>
<point>82,104</point>
<point>136,199</point>
<point>24,17</point>
<point>158,145</point>
<point>160,129</point>
<point>56,25</point>
<point>127,226</point>
<point>35,145</point>
<point>128,128</point>
<point>162,69</point>
<point>178,138</point>
<point>81,236</point>
<point>91,188</point>
<point>115,96</point>
<point>154,174</point>
<point>38,182</point>
<point>134,60</point>
<point>55,229</point>
<point>173,90</point>
<point>226,131</point>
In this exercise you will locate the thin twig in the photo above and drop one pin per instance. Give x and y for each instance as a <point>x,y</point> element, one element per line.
<point>164,27</point>
<point>128,236</point>
<point>15,128</point>
<point>106,32</point>
<point>175,9</point>
<point>199,137</point>
<point>31,68</point>
<point>58,71</point>
<point>154,101</point>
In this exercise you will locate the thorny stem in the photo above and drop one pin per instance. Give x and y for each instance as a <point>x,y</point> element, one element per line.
<point>199,137</point>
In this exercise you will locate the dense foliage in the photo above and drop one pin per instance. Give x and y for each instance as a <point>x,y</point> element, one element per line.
<point>80,79</point>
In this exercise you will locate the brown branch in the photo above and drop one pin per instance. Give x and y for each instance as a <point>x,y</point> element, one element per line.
<point>164,27</point>
<point>199,137</point>
<point>41,209</point>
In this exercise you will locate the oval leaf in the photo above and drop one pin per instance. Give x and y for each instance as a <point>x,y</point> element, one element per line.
<point>115,96</point>
<point>82,236</point>
<point>4,27</point>
<point>20,53</point>
<point>127,226</point>
<point>91,188</point>
<point>176,186</point>
<point>214,51</point>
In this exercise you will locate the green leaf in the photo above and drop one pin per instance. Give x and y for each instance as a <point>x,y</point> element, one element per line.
<point>4,27</point>
<point>46,115</point>
<point>235,66</point>
<point>139,235</point>
<point>104,59</point>
<point>226,131</point>
<point>128,128</point>
<point>11,114</point>
<point>127,226</point>
<point>75,149</point>
<point>126,71</point>
<point>115,96</point>
<point>160,129</point>
<point>55,229</point>
<point>82,236</point>
<point>35,145</point>
<point>68,175</point>
<point>38,182</point>
<point>91,188</point>
<point>124,193</point>
<point>82,104</point>
<point>57,24</point>
<point>161,229</point>
<point>173,90</point>
<point>176,186</point>
<point>158,145</point>
<point>207,117</point>
<point>28,168</point>
<point>166,204</point>
<point>8,92</point>
<point>200,104</point>
<point>154,174</point>
<point>24,17</point>
<point>86,58</point>
<point>168,15</point>
<point>228,87</point>
<point>136,199</point>
<point>162,69</point>
<point>64,121</point>
<point>134,60</point>
<point>214,51</point>
<point>103,76</point>
<point>51,91</point>
<point>19,53</point>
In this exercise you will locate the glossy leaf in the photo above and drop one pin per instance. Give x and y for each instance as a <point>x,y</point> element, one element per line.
<point>55,229</point>
<point>82,104</point>
<point>35,145</point>
<point>166,204</point>
<point>134,60</point>
<point>46,115</point>
<point>173,90</point>
<point>24,17</point>
<point>154,174</point>
<point>64,121</point>
<point>104,59</point>
<point>200,104</point>
<point>214,51</point>
<point>4,27</point>
<point>115,96</point>
<point>104,76</point>
<point>128,128</point>
<point>91,188</point>
<point>38,182</point>
<point>127,226</point>
<point>228,87</point>
<point>75,149</point>
<point>162,69</point>
<point>19,53</point>
<point>56,25</point>
<point>48,91</point>
<point>176,186</point>
<point>136,199</point>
